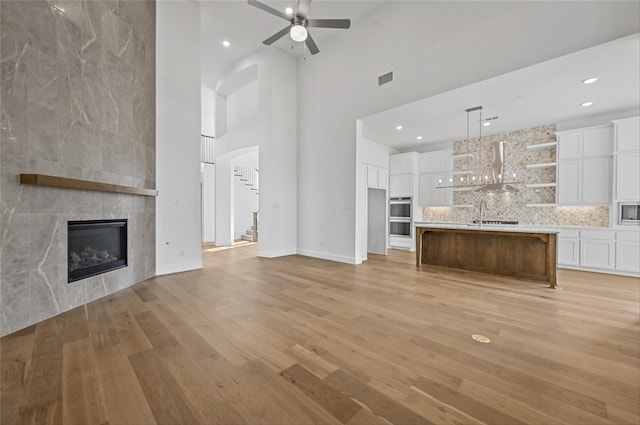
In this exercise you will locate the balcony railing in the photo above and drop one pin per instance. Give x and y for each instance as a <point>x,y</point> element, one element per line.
<point>207,153</point>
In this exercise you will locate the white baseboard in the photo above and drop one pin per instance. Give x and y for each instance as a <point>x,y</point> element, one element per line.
<point>274,254</point>
<point>177,268</point>
<point>327,256</point>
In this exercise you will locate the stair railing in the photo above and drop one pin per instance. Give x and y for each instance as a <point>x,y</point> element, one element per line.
<point>248,176</point>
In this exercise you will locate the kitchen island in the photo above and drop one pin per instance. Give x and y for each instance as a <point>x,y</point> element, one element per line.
<point>516,251</point>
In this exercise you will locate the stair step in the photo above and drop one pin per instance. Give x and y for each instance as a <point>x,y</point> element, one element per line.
<point>247,238</point>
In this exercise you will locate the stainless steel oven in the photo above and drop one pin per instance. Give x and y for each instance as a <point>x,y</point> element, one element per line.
<point>400,208</point>
<point>400,217</point>
<point>400,228</point>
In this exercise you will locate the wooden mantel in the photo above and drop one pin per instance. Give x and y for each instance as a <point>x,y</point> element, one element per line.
<point>66,183</point>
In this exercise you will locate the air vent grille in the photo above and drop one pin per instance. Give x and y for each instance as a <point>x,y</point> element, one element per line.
<point>384,79</point>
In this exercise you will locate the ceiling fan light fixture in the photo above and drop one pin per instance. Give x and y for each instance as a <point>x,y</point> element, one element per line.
<point>298,33</point>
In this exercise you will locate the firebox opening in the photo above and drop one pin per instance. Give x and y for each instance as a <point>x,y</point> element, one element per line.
<point>96,247</point>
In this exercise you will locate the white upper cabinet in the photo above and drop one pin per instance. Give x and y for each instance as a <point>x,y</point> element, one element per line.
<point>377,178</point>
<point>627,142</point>
<point>404,163</point>
<point>435,167</point>
<point>401,185</point>
<point>403,170</point>
<point>584,143</point>
<point>628,176</point>
<point>627,134</point>
<point>584,166</point>
<point>436,162</point>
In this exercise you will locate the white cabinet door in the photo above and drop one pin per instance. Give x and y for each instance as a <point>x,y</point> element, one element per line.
<point>569,183</point>
<point>383,178</point>
<point>628,256</point>
<point>568,250</point>
<point>443,161</point>
<point>570,145</point>
<point>586,182</point>
<point>436,162</point>
<point>401,185</point>
<point>596,181</point>
<point>377,177</point>
<point>596,142</point>
<point>597,253</point>
<point>628,134</point>
<point>426,163</point>
<point>584,143</point>
<point>628,176</point>
<point>426,187</point>
<point>403,163</point>
<point>372,176</point>
<point>429,196</point>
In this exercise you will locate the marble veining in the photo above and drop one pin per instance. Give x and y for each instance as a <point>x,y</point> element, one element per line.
<point>77,84</point>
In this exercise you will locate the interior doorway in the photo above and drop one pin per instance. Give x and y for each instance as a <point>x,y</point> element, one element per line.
<point>377,221</point>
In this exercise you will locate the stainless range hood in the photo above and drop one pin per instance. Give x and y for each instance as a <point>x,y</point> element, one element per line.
<point>497,173</point>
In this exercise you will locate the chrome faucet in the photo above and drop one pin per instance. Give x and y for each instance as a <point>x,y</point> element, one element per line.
<point>483,202</point>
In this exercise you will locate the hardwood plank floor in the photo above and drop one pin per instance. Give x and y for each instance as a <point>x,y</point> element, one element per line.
<point>297,340</point>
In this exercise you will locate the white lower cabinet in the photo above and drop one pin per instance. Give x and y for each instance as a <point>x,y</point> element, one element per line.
<point>609,251</point>
<point>597,254</point>
<point>569,248</point>
<point>628,251</point>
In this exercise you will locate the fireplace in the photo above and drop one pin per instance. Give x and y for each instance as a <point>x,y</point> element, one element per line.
<point>96,247</point>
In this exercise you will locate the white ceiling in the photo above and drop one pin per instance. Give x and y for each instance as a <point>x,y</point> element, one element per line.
<point>546,93</point>
<point>245,27</point>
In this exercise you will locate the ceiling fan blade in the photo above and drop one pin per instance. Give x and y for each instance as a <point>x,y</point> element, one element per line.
<point>303,8</point>
<point>329,23</point>
<point>277,36</point>
<point>269,9</point>
<point>311,45</point>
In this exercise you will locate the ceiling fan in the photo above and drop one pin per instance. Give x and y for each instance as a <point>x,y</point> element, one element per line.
<point>298,24</point>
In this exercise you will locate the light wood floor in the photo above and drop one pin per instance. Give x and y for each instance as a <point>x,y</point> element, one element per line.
<point>296,340</point>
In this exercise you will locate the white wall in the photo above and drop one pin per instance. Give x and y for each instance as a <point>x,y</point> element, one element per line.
<point>178,108</point>
<point>432,47</point>
<point>242,106</point>
<point>207,111</point>
<point>276,135</point>
<point>278,155</point>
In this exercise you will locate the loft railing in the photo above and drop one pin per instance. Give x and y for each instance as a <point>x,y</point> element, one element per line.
<point>207,153</point>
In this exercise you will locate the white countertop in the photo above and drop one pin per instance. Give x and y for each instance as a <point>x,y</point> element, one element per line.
<point>489,227</point>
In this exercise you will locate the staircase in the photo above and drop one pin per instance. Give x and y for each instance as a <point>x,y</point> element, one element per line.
<point>248,176</point>
<point>251,235</point>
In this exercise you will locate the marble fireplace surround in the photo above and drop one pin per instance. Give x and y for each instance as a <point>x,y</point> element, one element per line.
<point>77,87</point>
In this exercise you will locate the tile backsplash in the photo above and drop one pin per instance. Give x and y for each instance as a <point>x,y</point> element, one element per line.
<point>527,206</point>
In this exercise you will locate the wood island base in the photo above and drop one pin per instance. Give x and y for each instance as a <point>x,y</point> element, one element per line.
<point>530,256</point>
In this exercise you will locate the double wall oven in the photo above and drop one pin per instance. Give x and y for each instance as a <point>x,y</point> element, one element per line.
<point>400,217</point>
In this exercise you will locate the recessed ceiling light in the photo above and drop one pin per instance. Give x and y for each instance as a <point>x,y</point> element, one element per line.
<point>590,80</point>
<point>419,137</point>
<point>585,104</point>
<point>486,124</point>
<point>288,11</point>
<point>398,127</point>
<point>226,43</point>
